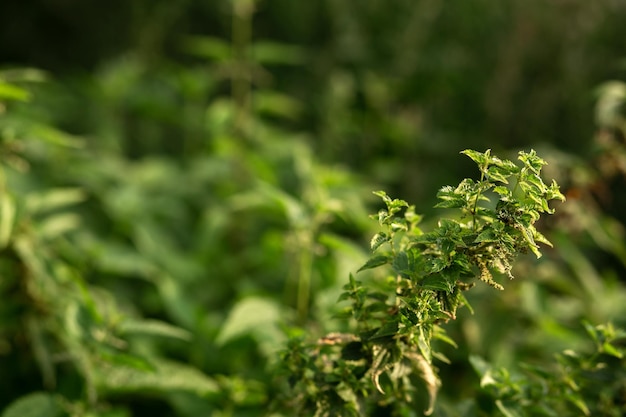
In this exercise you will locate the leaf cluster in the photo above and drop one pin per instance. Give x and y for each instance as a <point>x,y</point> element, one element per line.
<point>377,364</point>
<point>591,382</point>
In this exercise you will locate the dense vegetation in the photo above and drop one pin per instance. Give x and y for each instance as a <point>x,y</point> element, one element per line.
<point>185,200</point>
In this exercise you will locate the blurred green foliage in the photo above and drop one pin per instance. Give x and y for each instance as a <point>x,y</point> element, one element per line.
<point>185,187</point>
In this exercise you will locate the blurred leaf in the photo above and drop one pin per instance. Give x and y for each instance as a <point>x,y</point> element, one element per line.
<point>53,199</point>
<point>7,218</point>
<point>122,260</point>
<point>55,136</point>
<point>37,404</point>
<point>153,328</point>
<point>276,104</point>
<point>125,360</point>
<point>32,75</point>
<point>480,365</point>
<point>266,52</point>
<point>207,47</point>
<point>254,316</point>
<point>507,410</point>
<point>57,225</point>
<point>168,376</point>
<point>12,92</point>
<point>611,105</point>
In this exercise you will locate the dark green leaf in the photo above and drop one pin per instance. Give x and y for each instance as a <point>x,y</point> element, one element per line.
<point>374,262</point>
<point>388,329</point>
<point>437,282</point>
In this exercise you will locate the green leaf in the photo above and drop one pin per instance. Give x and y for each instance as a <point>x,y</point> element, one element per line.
<point>496,173</point>
<point>527,234</point>
<point>117,358</point>
<point>532,161</point>
<point>388,329</point>
<point>378,240</point>
<point>609,349</point>
<point>487,235</point>
<point>266,52</point>
<point>481,366</point>
<point>36,404</point>
<point>58,225</point>
<point>375,262</point>
<point>440,334</point>
<point>507,410</point>
<point>13,92</point>
<point>403,264</point>
<point>56,137</point>
<point>481,159</point>
<point>7,218</point>
<point>276,104</point>
<point>502,190</point>
<point>450,198</point>
<point>437,282</point>
<point>207,47</point>
<point>167,377</point>
<point>382,195</point>
<point>153,328</point>
<point>254,316</point>
<point>578,402</point>
<point>53,199</point>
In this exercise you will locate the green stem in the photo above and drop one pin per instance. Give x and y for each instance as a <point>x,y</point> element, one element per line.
<point>241,77</point>
<point>305,270</point>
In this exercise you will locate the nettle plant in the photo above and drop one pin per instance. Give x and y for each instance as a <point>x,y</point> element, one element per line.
<point>384,364</point>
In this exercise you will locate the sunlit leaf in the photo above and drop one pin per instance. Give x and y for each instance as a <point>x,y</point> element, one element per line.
<point>13,92</point>
<point>378,240</point>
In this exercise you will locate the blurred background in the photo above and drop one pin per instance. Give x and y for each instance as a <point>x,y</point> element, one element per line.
<point>182,178</point>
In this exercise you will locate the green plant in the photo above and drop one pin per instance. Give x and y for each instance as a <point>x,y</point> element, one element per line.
<point>373,366</point>
<point>75,334</point>
<point>589,382</point>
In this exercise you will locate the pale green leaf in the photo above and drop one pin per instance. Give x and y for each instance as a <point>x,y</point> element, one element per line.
<point>378,240</point>
<point>58,225</point>
<point>56,137</point>
<point>507,410</point>
<point>480,158</point>
<point>167,376</point>
<point>257,317</point>
<point>276,104</point>
<point>36,404</point>
<point>13,92</point>
<point>53,199</point>
<point>7,218</point>
<point>153,328</point>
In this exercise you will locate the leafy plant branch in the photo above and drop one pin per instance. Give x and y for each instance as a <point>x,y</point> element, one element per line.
<point>375,366</point>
